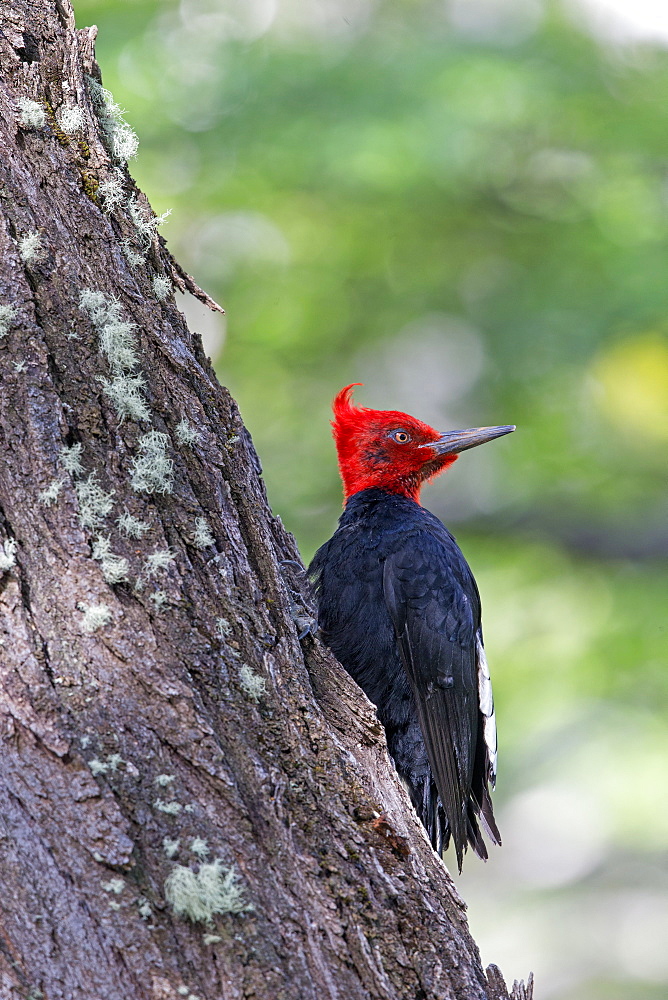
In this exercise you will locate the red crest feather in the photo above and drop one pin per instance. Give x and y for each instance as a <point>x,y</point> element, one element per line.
<point>343,406</point>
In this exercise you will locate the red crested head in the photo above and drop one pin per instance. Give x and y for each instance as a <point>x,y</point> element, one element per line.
<point>392,451</point>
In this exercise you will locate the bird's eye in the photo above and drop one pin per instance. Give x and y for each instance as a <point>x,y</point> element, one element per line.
<point>401,437</point>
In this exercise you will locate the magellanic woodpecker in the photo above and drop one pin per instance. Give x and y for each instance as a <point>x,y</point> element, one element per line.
<point>400,609</point>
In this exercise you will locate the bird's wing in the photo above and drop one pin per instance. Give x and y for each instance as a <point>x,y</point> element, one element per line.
<point>433,602</point>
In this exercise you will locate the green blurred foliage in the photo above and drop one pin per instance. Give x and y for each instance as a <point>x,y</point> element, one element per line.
<point>331,192</point>
<point>473,224</point>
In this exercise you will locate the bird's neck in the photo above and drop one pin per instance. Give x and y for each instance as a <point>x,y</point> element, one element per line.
<point>390,479</point>
<point>403,487</point>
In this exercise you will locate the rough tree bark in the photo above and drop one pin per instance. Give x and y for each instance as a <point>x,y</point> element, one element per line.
<point>159,718</point>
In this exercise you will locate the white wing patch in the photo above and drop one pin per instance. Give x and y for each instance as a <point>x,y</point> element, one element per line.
<point>486,700</point>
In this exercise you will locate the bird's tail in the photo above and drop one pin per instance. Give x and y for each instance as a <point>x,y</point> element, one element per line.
<point>430,809</point>
<point>481,811</point>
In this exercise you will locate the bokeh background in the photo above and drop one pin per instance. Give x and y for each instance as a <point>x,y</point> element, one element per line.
<point>463,205</point>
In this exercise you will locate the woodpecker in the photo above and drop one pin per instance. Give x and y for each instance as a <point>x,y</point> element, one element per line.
<point>399,608</point>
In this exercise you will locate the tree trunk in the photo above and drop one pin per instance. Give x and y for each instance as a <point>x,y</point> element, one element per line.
<point>190,796</point>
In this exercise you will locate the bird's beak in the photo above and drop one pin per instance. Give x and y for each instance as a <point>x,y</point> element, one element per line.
<point>452,442</point>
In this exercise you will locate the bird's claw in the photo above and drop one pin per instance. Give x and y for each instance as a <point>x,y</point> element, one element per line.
<point>300,612</point>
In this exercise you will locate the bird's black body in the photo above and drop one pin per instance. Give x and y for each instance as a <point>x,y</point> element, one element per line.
<point>399,607</point>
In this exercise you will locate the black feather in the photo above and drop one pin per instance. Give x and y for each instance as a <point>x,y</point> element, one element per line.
<point>399,607</point>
